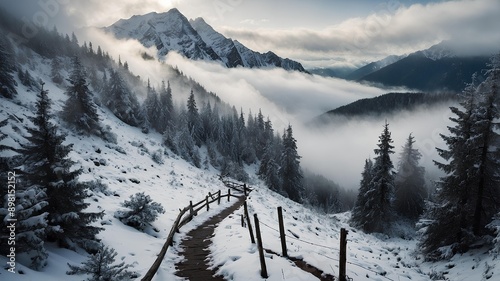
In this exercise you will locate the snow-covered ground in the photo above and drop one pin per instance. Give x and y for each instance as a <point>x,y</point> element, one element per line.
<point>127,168</point>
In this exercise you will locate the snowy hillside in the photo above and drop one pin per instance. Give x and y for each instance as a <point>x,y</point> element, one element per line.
<point>195,39</point>
<point>127,167</point>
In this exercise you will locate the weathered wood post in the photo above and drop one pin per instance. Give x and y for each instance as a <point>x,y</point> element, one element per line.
<point>228,195</point>
<point>218,198</point>
<point>282,232</point>
<point>191,210</point>
<point>245,189</point>
<point>343,254</point>
<point>245,207</point>
<point>208,207</point>
<point>263,267</point>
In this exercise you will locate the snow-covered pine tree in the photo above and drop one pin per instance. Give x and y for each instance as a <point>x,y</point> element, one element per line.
<point>167,115</point>
<point>446,223</point>
<point>377,211</point>
<point>290,171</point>
<point>121,101</point>
<point>269,164</point>
<point>358,218</point>
<point>55,71</point>
<point>143,211</point>
<point>411,192</point>
<point>269,167</point>
<point>193,119</point>
<point>151,110</point>
<point>79,109</point>
<point>487,198</point>
<point>46,163</point>
<point>259,135</point>
<point>184,142</point>
<point>206,123</point>
<point>3,160</point>
<point>7,67</point>
<point>101,267</point>
<point>30,220</point>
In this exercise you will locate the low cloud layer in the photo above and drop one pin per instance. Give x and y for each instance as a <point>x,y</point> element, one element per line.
<point>337,151</point>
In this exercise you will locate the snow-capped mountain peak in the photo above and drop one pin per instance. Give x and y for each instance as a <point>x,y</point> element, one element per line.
<point>438,51</point>
<point>194,39</point>
<point>170,31</point>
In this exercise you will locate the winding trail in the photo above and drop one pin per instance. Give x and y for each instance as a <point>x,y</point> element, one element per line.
<point>196,247</point>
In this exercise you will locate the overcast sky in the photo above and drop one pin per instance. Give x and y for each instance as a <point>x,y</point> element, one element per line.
<point>315,32</point>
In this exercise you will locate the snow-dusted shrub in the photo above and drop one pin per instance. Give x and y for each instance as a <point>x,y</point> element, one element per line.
<point>101,267</point>
<point>142,212</point>
<point>108,135</point>
<point>157,156</point>
<point>99,186</point>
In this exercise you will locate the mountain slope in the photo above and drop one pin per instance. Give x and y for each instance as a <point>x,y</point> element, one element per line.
<point>223,46</point>
<point>438,68</point>
<point>372,67</point>
<point>195,39</point>
<point>384,104</point>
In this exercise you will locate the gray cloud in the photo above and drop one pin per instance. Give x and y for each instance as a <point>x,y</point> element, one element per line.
<point>337,151</point>
<point>471,24</point>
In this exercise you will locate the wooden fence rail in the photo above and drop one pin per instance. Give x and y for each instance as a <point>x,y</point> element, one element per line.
<point>182,220</point>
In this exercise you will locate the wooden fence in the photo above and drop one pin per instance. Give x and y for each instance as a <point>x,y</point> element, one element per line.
<point>185,216</point>
<point>282,235</point>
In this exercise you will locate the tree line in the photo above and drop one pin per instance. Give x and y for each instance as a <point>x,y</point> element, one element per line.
<point>466,204</point>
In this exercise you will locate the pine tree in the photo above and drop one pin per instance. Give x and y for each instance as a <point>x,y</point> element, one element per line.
<point>101,267</point>
<point>46,163</point>
<point>7,67</point>
<point>30,221</point>
<point>118,98</point>
<point>376,203</point>
<point>487,198</point>
<point>151,110</point>
<point>184,141</point>
<point>167,113</point>
<point>143,211</point>
<point>410,193</point>
<point>79,109</point>
<point>467,196</point>
<point>269,167</point>
<point>290,172</point>
<point>193,119</point>
<point>55,71</point>
<point>359,210</point>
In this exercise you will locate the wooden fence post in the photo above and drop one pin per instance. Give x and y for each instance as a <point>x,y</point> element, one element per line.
<point>245,207</point>
<point>263,267</point>
<point>343,254</point>
<point>218,198</point>
<point>242,220</point>
<point>228,195</point>
<point>282,232</point>
<point>191,211</point>
<point>208,207</point>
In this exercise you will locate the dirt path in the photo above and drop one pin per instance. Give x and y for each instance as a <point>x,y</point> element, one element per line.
<point>196,252</point>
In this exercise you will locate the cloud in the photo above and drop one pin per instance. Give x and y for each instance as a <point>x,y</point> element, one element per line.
<point>104,13</point>
<point>299,95</point>
<point>471,24</point>
<point>337,151</point>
